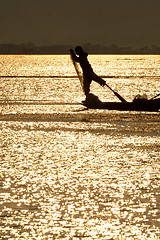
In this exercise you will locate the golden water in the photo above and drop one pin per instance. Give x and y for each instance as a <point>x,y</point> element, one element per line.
<point>70,173</point>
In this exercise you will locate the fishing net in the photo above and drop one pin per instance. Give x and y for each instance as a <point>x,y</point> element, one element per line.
<point>78,71</point>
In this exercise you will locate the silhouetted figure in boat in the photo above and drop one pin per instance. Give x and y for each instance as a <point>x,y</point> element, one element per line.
<point>88,73</point>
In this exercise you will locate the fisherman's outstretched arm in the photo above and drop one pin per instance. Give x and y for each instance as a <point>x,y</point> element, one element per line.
<point>74,55</point>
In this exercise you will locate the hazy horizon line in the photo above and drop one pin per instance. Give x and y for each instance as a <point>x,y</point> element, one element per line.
<point>30,48</point>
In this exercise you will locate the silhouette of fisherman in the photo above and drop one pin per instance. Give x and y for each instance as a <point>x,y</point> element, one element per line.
<point>88,73</point>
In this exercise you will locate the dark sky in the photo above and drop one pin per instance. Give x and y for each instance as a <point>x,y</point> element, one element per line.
<point>48,22</point>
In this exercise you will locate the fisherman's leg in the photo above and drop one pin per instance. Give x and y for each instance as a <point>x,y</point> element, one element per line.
<point>86,85</point>
<point>99,80</point>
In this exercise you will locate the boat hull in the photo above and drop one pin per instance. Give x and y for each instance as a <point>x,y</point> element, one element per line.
<point>141,105</point>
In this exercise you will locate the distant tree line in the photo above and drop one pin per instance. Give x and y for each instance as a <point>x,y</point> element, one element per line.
<point>29,48</point>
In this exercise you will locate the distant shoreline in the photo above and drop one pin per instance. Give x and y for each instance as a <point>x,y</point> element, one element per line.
<point>30,49</point>
<point>90,53</point>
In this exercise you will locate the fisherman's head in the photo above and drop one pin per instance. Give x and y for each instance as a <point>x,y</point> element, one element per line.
<point>79,50</point>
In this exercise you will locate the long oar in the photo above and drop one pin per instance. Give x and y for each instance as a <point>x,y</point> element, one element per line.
<point>116,94</point>
<point>155,96</point>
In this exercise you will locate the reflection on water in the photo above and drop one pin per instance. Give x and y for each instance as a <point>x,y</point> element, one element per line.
<point>70,173</point>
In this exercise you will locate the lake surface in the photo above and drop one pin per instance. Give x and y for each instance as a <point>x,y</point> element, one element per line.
<point>71,173</point>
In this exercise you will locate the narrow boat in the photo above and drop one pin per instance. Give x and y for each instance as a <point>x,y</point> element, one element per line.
<point>152,105</point>
<point>140,103</point>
